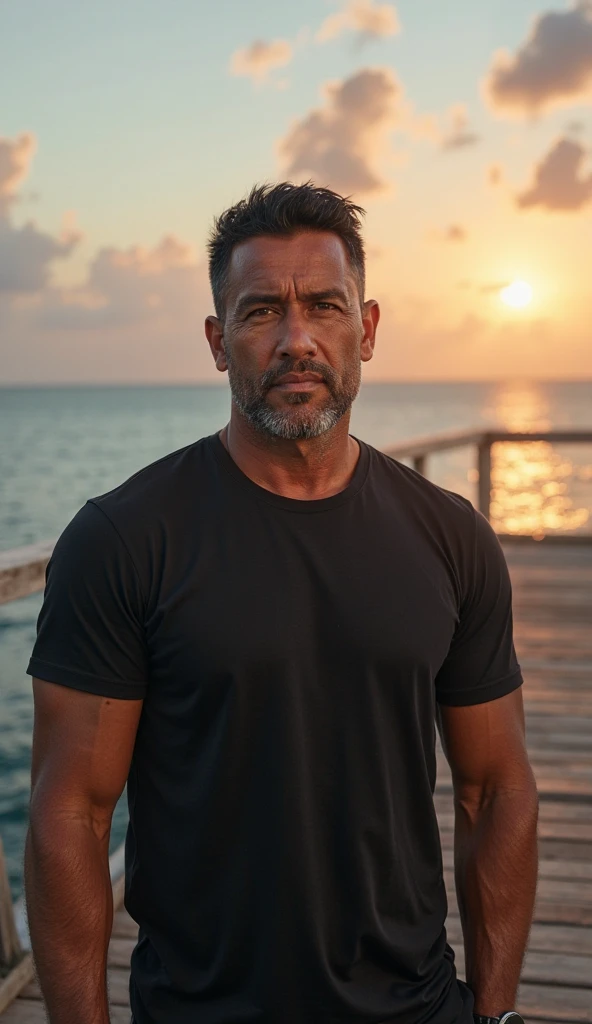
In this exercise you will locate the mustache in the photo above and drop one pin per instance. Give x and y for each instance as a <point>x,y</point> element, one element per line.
<point>270,378</point>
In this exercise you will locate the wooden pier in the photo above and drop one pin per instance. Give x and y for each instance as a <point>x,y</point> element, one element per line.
<point>552,587</point>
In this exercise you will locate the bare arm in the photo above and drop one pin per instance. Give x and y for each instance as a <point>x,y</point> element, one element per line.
<point>496,860</point>
<point>82,748</point>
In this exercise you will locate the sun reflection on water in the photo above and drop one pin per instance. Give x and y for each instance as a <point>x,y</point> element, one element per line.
<point>530,479</point>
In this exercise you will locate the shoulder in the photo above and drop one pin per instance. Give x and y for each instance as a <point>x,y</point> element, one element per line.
<point>443,521</point>
<point>421,496</point>
<point>154,490</point>
<point>437,523</point>
<point>115,522</point>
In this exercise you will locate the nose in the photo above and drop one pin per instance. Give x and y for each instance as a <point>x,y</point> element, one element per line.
<point>296,340</point>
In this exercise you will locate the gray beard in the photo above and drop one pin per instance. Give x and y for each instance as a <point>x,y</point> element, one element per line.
<point>250,398</point>
<point>278,423</point>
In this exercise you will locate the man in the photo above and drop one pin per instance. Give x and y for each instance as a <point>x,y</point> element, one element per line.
<point>258,632</point>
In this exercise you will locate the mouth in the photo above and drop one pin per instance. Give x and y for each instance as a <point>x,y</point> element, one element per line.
<point>299,382</point>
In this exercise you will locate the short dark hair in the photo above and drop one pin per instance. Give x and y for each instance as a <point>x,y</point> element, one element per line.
<point>284,209</point>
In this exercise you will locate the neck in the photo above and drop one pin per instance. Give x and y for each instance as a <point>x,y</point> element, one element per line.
<point>308,469</point>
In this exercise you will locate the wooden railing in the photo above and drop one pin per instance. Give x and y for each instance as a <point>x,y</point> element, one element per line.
<point>22,572</point>
<point>418,449</point>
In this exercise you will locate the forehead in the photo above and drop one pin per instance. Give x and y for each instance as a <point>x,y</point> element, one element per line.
<point>272,261</point>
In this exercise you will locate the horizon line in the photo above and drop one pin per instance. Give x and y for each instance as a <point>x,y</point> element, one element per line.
<point>224,384</point>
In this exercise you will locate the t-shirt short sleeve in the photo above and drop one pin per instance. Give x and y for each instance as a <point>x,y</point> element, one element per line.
<point>90,633</point>
<point>481,664</point>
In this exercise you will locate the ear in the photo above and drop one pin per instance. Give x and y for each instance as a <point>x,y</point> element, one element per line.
<point>370,318</point>
<point>215,335</point>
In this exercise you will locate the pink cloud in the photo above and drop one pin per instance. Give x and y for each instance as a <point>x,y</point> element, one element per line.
<point>369,20</point>
<point>257,60</point>
<point>558,183</point>
<point>128,286</point>
<point>340,143</point>
<point>15,159</point>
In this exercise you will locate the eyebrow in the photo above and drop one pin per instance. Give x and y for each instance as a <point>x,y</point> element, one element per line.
<point>273,300</point>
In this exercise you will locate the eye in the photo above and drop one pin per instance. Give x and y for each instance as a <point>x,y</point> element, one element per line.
<point>261,311</point>
<point>325,305</point>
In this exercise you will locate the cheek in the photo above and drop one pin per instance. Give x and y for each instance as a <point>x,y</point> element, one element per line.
<point>252,346</point>
<point>343,343</point>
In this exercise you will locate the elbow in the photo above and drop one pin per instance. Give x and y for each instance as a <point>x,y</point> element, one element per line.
<point>518,794</point>
<point>54,816</point>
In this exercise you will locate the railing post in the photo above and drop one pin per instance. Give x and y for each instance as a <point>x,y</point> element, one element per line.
<point>419,464</point>
<point>484,471</point>
<point>10,947</point>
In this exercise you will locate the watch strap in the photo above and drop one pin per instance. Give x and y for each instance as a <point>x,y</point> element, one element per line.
<point>511,1016</point>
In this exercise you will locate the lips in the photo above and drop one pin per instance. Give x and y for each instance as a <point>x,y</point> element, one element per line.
<point>300,378</point>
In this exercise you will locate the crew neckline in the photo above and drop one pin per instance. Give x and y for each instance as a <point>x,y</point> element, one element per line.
<point>302,505</point>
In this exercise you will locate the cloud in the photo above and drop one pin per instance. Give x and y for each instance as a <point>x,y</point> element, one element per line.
<point>557,181</point>
<point>127,286</point>
<point>15,158</point>
<point>417,334</point>
<point>451,233</point>
<point>494,174</point>
<point>367,19</point>
<point>340,143</point>
<point>26,254</point>
<point>455,233</point>
<point>257,60</point>
<point>137,316</point>
<point>459,134</point>
<point>552,68</point>
<point>492,287</point>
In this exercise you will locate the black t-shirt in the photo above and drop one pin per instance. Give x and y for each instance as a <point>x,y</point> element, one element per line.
<point>283,858</point>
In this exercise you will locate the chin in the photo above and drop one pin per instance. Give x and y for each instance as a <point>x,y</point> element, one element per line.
<point>294,427</point>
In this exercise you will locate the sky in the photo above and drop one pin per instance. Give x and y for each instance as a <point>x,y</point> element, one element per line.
<point>464,130</point>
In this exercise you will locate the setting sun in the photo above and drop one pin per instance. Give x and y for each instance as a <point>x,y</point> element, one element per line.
<point>517,294</point>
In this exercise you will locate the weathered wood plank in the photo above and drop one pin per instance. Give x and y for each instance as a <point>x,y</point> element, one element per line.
<point>10,947</point>
<point>555,1002</point>
<point>15,981</point>
<point>22,570</point>
<point>120,951</point>
<point>558,969</point>
<point>124,926</point>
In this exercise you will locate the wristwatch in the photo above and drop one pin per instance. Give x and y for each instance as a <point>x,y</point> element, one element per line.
<point>510,1017</point>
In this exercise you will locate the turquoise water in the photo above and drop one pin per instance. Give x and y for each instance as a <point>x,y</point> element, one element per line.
<point>60,446</point>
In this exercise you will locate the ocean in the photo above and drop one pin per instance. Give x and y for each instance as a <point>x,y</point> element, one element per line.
<point>62,445</point>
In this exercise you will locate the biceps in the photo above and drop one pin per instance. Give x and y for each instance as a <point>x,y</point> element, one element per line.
<point>82,748</point>
<point>485,744</point>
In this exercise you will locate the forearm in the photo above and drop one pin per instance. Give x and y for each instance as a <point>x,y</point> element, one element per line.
<point>70,911</point>
<point>496,863</point>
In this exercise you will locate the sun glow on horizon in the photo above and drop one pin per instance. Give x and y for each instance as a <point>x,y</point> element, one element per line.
<point>518,294</point>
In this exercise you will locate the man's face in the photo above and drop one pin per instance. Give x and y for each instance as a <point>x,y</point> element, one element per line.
<point>294,333</point>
